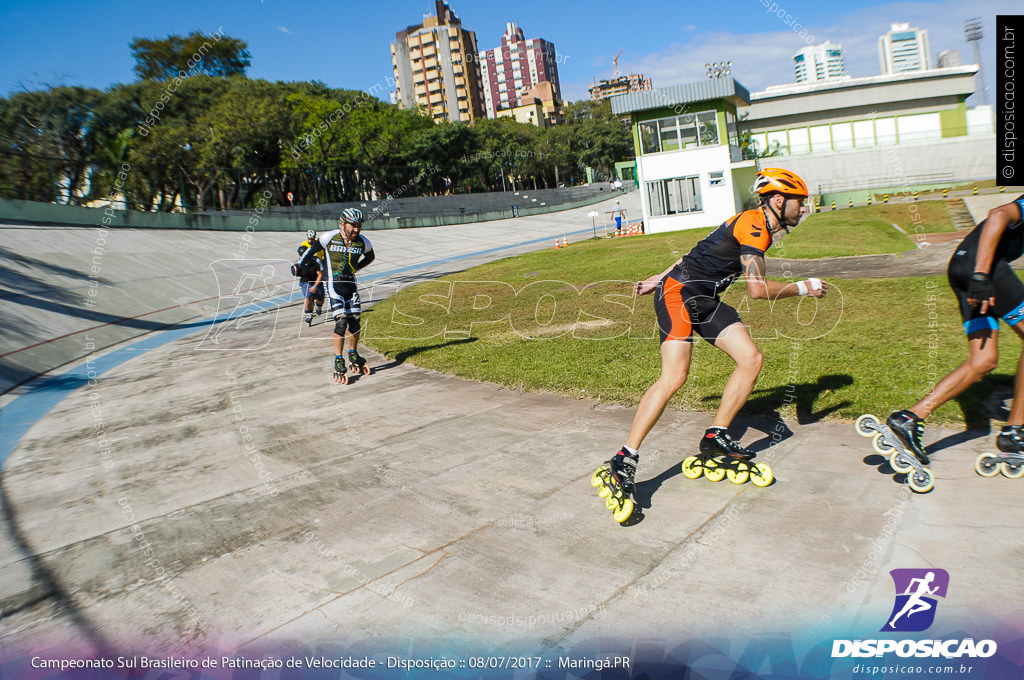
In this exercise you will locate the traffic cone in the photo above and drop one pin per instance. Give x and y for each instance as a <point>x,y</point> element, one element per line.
<point>565,241</point>
<point>556,243</point>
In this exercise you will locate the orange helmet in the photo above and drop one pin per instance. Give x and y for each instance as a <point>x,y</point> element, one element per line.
<point>783,181</point>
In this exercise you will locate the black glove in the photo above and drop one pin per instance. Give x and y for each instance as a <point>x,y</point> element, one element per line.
<point>980,287</point>
<point>295,270</point>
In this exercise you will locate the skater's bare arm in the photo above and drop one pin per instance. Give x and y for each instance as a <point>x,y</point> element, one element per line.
<point>991,233</point>
<point>761,288</point>
<point>995,225</point>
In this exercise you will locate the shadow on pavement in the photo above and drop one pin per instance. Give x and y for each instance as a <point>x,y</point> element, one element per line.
<point>802,396</point>
<point>47,585</point>
<point>404,355</point>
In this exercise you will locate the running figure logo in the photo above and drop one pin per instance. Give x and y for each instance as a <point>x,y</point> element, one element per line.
<point>247,305</point>
<point>914,610</point>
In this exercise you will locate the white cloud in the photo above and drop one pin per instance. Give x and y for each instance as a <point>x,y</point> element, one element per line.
<point>284,29</point>
<point>766,58</point>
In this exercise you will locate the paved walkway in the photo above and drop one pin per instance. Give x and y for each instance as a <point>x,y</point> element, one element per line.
<point>204,498</point>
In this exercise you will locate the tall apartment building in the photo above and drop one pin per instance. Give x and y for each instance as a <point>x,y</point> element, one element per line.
<point>621,85</point>
<point>436,69</point>
<point>819,62</point>
<point>903,49</point>
<point>518,65</point>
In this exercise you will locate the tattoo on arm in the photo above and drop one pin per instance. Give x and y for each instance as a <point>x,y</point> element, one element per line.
<point>753,266</point>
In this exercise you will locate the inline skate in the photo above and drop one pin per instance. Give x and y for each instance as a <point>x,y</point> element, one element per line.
<point>899,438</point>
<point>356,363</point>
<point>614,482</point>
<point>721,457</point>
<point>1009,460</point>
<point>340,374</point>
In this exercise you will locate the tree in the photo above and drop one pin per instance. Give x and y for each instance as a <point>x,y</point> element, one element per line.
<point>49,139</point>
<point>216,55</point>
<point>377,137</point>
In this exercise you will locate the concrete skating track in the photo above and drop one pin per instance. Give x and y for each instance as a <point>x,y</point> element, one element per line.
<point>207,496</point>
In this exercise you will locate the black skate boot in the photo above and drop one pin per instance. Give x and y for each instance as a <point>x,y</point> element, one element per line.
<point>308,318</point>
<point>319,310</point>
<point>1011,439</point>
<point>717,442</point>
<point>615,483</point>
<point>623,467</point>
<point>908,428</point>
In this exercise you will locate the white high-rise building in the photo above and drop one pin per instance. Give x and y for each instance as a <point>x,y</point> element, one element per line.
<point>819,62</point>
<point>903,49</point>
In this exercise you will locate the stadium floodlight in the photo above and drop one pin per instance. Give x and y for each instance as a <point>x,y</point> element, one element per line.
<point>973,35</point>
<point>719,69</point>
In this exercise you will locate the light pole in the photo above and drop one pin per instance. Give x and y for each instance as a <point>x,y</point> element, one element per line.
<point>972,33</point>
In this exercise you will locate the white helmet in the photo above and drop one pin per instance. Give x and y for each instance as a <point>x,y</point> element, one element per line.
<point>352,216</point>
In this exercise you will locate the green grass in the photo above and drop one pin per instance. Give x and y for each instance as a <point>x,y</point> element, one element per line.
<point>523,323</point>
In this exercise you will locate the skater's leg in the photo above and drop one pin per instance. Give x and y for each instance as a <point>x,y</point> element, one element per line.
<point>675,364</point>
<point>735,341</point>
<point>982,357</point>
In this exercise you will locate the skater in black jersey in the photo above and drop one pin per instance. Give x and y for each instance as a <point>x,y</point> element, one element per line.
<point>987,290</point>
<point>687,302</point>
<point>311,276</point>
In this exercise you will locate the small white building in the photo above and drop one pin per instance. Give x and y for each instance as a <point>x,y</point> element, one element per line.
<point>689,163</point>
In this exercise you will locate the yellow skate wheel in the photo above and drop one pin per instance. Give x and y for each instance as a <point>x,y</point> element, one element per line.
<point>897,464</point>
<point>597,479</point>
<point>692,467</point>
<point>867,425</point>
<point>986,465</point>
<point>623,513</point>
<point>761,475</point>
<point>1012,470</point>
<point>921,482</point>
<point>879,445</point>
<point>738,475</point>
<point>611,502</point>
<point>713,471</point>
<point>605,491</point>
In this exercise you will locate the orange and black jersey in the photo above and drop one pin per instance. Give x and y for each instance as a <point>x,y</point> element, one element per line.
<point>714,263</point>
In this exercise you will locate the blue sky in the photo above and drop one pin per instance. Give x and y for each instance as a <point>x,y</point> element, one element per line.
<point>346,44</point>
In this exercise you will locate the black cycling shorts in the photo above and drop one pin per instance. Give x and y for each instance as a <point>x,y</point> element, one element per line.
<point>681,312</point>
<point>1007,289</point>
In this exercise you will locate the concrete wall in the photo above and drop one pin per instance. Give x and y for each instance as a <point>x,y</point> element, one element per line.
<point>322,219</point>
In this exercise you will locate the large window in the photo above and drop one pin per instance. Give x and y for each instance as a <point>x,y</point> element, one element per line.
<point>679,132</point>
<point>799,141</point>
<point>707,128</point>
<point>649,137</point>
<point>674,196</point>
<point>842,136</point>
